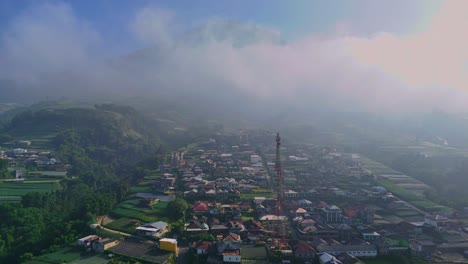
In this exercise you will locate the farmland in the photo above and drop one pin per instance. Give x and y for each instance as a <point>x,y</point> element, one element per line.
<point>62,256</point>
<point>71,256</point>
<point>131,209</point>
<point>13,191</point>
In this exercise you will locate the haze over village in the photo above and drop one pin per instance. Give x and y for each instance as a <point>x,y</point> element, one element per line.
<point>330,132</point>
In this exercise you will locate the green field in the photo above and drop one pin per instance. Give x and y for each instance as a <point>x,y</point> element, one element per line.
<point>108,234</point>
<point>403,213</point>
<point>123,225</point>
<point>72,257</point>
<point>137,189</point>
<point>252,252</point>
<point>128,209</point>
<point>375,167</point>
<point>11,198</point>
<point>250,196</point>
<point>92,259</point>
<point>62,256</point>
<point>9,190</point>
<point>430,206</point>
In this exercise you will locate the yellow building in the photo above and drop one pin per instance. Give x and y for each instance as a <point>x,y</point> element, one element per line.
<point>168,244</point>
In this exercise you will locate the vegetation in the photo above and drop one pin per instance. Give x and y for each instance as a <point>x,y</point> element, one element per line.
<point>102,144</point>
<point>4,169</point>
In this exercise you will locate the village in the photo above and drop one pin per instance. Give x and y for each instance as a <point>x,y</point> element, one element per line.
<point>333,208</point>
<point>253,202</point>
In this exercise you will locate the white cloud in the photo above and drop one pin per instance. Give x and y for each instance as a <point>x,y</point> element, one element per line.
<point>46,39</point>
<point>235,61</point>
<point>435,57</point>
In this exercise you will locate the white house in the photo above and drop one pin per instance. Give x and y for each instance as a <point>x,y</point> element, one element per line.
<point>437,221</point>
<point>254,159</point>
<point>152,229</point>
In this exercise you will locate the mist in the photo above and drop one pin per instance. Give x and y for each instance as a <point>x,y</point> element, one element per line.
<point>47,51</point>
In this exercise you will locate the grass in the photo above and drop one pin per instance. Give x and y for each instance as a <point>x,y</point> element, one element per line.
<point>253,252</point>
<point>129,213</point>
<point>392,219</point>
<point>92,259</point>
<point>131,202</point>
<point>137,189</point>
<point>452,238</point>
<point>107,234</point>
<point>86,259</point>
<point>20,189</point>
<point>10,199</point>
<point>123,225</point>
<point>62,256</point>
<point>429,206</point>
<point>375,167</point>
<point>128,209</point>
<point>403,213</point>
<point>249,196</point>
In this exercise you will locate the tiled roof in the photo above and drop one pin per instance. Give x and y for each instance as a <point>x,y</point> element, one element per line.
<point>232,237</point>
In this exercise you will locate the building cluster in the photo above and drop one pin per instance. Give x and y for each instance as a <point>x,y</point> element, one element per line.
<point>332,209</point>
<point>21,153</point>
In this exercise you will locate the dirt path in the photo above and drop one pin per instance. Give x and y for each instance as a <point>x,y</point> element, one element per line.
<point>104,220</point>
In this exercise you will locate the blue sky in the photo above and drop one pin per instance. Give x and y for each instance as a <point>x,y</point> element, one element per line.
<point>293,19</point>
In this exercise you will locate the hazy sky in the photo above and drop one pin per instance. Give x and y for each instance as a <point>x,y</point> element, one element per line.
<point>345,55</point>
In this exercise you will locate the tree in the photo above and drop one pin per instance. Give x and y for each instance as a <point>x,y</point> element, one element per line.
<point>177,208</point>
<point>172,259</point>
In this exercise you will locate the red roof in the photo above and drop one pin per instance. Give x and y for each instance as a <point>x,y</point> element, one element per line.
<point>303,247</point>
<point>203,245</point>
<point>201,207</point>
<point>350,212</point>
<point>231,252</point>
<point>233,237</point>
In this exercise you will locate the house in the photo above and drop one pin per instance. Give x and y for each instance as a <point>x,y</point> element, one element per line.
<point>168,244</point>
<point>422,248</point>
<point>245,206</point>
<point>326,258</point>
<point>254,229</point>
<point>370,236</point>
<point>346,258</point>
<point>360,250</point>
<point>104,244</point>
<point>304,250</point>
<point>201,207</point>
<point>300,212</point>
<point>195,226</point>
<point>152,229</point>
<point>231,256</point>
<point>235,226</point>
<point>87,240</point>
<point>231,241</point>
<point>332,214</point>
<point>439,222</point>
<point>202,247</point>
<point>305,203</point>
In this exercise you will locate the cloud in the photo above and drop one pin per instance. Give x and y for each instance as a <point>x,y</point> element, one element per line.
<point>237,62</point>
<point>43,40</point>
<point>435,57</point>
<point>151,26</point>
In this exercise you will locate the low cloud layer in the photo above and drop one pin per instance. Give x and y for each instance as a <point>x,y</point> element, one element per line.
<point>48,50</point>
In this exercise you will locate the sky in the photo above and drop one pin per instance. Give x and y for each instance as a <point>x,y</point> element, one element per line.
<point>360,55</point>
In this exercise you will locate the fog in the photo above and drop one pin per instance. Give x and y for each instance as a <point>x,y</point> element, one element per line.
<point>48,51</point>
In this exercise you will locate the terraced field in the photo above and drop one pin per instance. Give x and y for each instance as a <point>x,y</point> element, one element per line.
<point>13,191</point>
<point>129,209</point>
